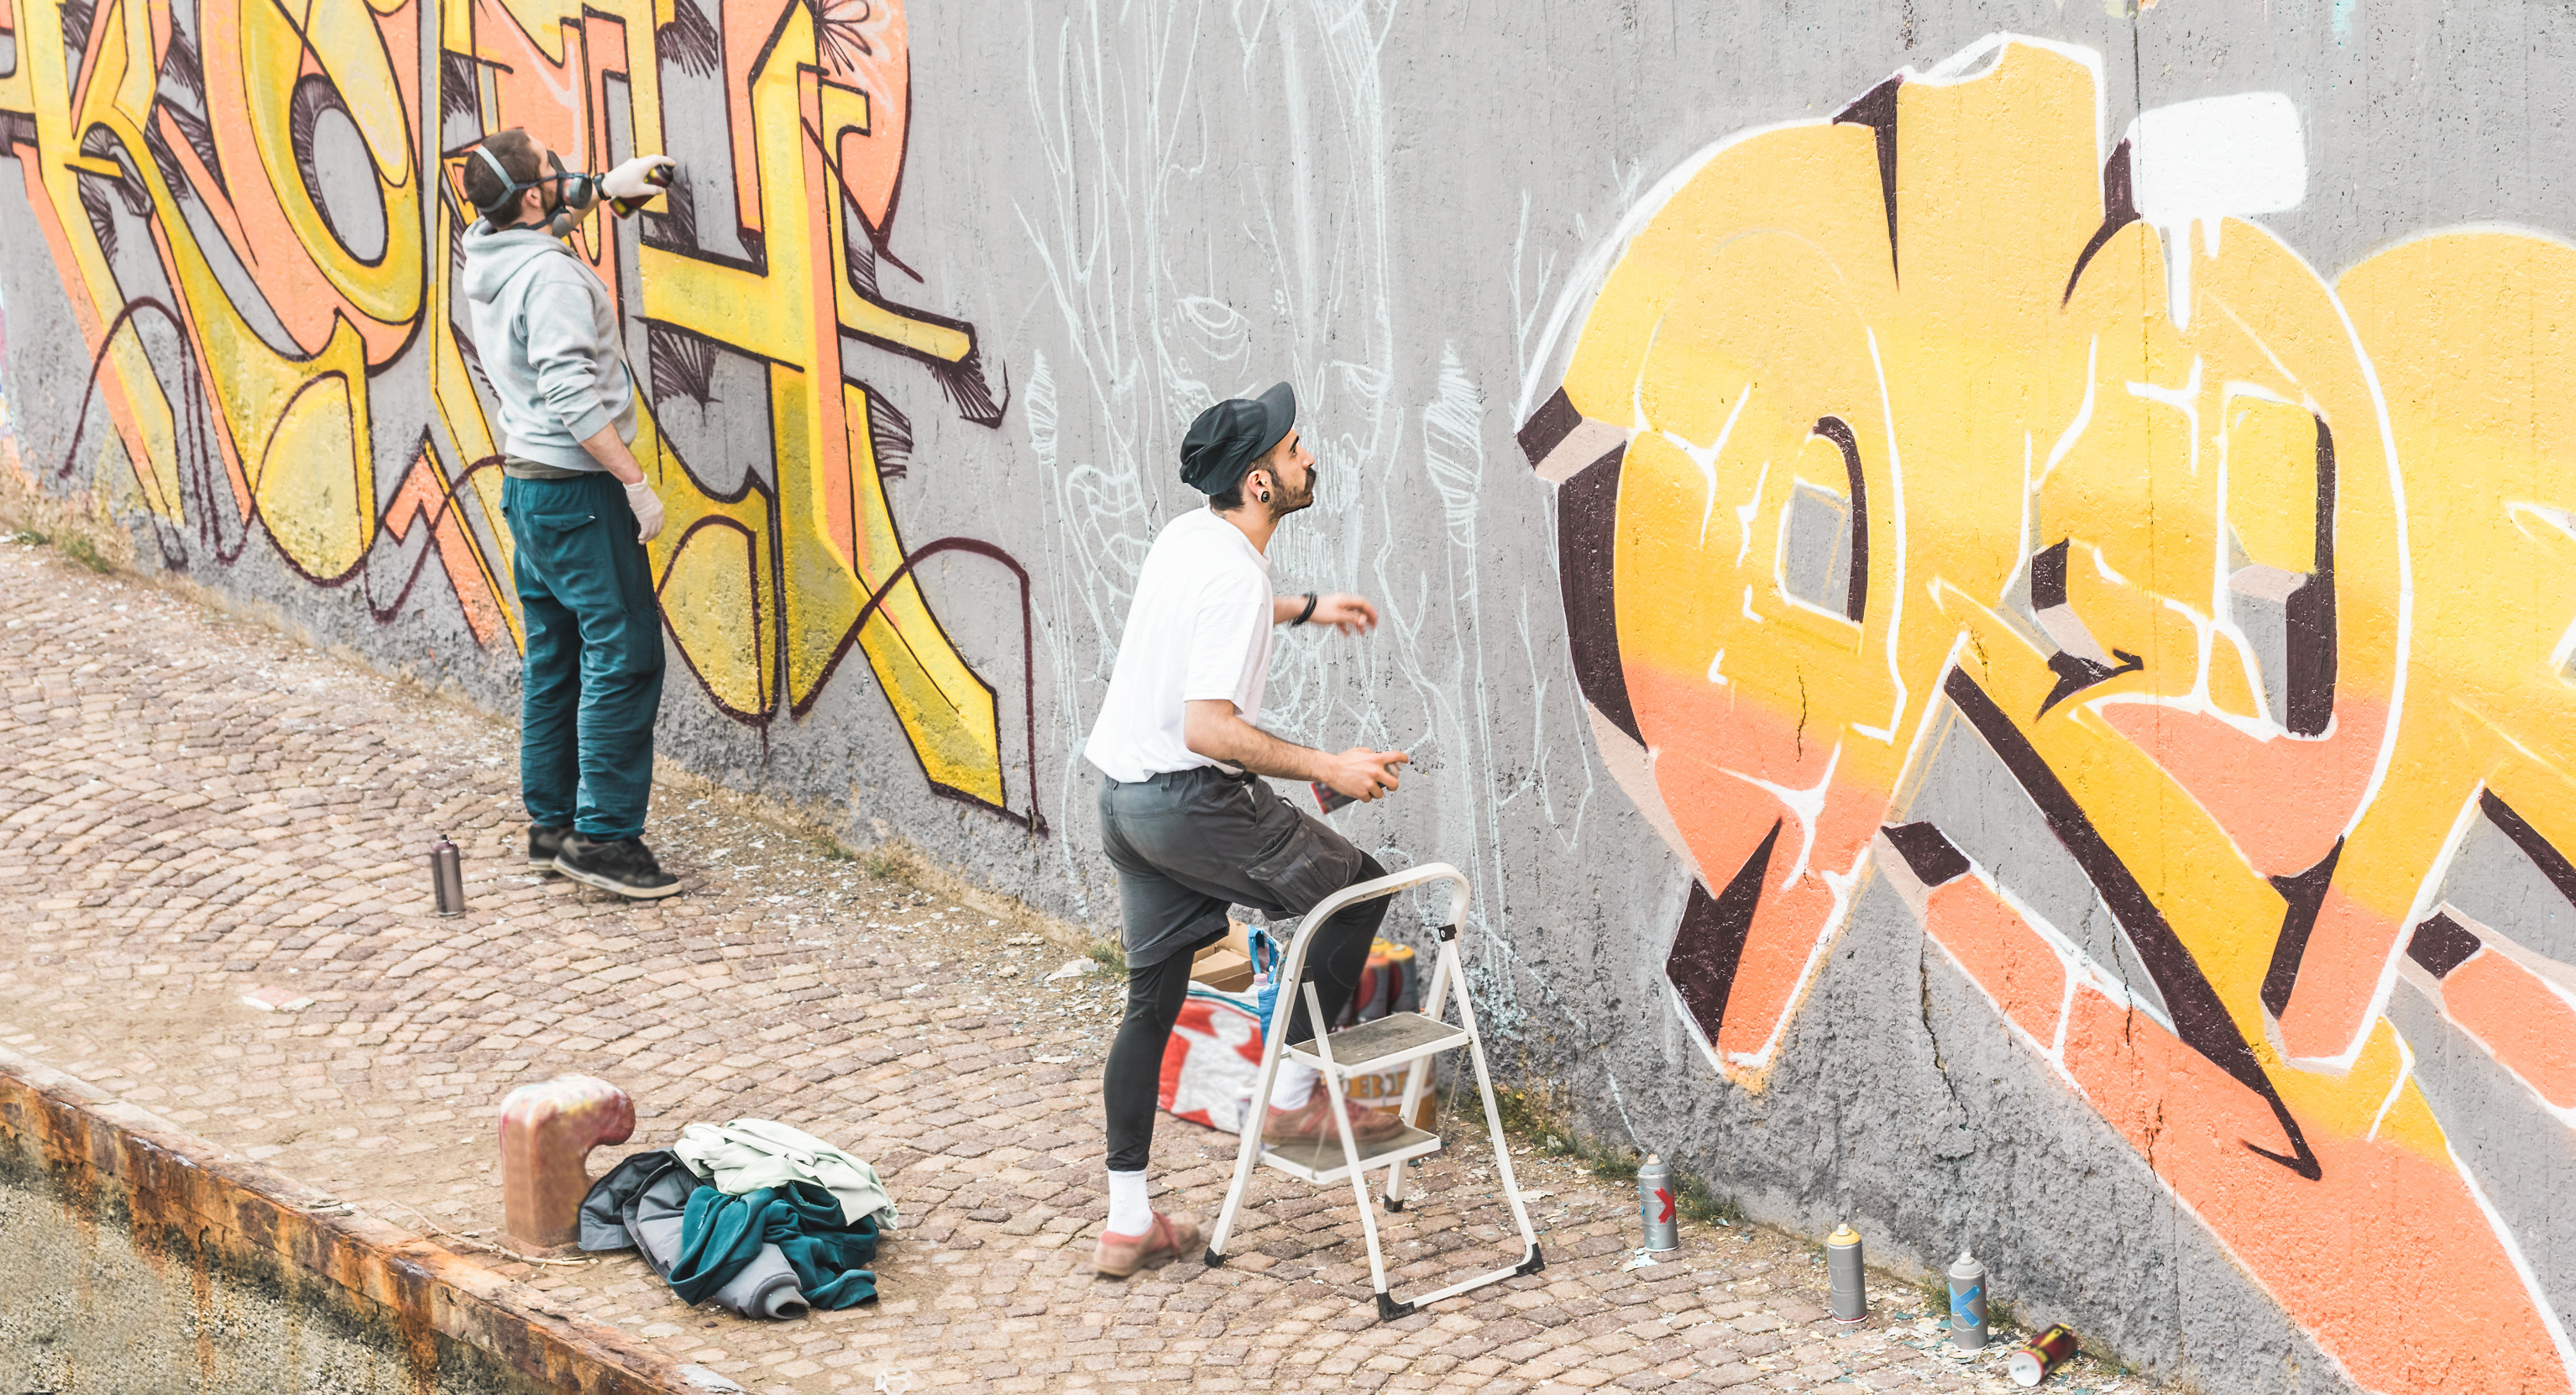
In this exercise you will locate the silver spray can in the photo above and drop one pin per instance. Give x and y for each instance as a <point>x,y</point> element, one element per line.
<point>1843,1272</point>
<point>1968,1303</point>
<point>1655,1204</point>
<point>447,877</point>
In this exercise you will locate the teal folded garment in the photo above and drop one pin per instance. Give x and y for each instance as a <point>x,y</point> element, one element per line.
<point>720,1235</point>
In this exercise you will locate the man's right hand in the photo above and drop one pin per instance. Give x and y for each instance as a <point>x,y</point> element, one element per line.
<point>648,510</point>
<point>1363,774</point>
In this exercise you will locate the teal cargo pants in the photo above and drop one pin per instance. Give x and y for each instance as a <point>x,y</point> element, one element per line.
<point>591,684</point>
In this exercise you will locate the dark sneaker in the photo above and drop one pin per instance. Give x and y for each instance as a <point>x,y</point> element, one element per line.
<point>544,841</point>
<point>623,865</point>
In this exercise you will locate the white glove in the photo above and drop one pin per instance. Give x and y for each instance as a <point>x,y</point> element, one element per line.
<point>648,511</point>
<point>634,179</point>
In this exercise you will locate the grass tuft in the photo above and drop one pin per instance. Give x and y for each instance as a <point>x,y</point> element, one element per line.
<point>1700,1202</point>
<point>1110,954</point>
<point>1531,1117</point>
<point>885,864</point>
<point>81,550</point>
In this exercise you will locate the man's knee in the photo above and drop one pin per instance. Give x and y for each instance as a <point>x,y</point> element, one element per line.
<point>1371,911</point>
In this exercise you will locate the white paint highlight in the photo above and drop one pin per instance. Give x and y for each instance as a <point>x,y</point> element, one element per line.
<point>2198,163</point>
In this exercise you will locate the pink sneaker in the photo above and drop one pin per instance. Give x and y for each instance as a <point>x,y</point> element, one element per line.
<point>1312,1122</point>
<point>1169,1237</point>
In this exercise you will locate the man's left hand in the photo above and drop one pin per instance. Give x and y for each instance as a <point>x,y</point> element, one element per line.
<point>1352,615</point>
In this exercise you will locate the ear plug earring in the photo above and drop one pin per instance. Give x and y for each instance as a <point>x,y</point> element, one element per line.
<point>1265,496</point>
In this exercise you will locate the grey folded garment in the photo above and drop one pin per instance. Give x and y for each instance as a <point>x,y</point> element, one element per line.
<point>646,1206</point>
<point>766,1288</point>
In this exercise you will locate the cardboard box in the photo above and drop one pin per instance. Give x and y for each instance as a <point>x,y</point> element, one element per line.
<point>1221,968</point>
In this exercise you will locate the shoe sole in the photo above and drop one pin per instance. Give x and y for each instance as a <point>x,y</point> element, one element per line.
<point>541,864</point>
<point>632,893</point>
<point>1329,1137</point>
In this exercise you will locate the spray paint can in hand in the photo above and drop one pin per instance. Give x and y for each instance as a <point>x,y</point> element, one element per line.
<point>1843,1272</point>
<point>1968,1303</point>
<point>1655,1203</point>
<point>447,878</point>
<point>2046,1352</point>
<point>659,177</point>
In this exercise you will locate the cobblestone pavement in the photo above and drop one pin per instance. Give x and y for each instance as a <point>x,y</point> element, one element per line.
<point>193,807</point>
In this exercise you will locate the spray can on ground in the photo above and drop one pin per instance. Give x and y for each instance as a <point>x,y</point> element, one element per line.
<point>1968,1303</point>
<point>1655,1204</point>
<point>447,878</point>
<point>1843,1272</point>
<point>2046,1352</point>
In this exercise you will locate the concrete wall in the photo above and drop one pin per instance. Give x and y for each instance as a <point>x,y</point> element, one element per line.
<point>1988,614</point>
<point>95,1308</point>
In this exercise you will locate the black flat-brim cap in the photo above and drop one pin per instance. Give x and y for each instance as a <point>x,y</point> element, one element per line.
<point>1227,438</point>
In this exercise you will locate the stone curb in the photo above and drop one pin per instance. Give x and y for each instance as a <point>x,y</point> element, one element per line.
<point>106,1155</point>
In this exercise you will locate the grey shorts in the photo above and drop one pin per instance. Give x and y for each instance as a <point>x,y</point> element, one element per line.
<point>1190,843</point>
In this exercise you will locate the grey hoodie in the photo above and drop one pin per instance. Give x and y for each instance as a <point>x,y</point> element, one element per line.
<point>546,333</point>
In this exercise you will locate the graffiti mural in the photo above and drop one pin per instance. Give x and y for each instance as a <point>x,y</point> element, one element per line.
<point>251,206</point>
<point>1955,494</point>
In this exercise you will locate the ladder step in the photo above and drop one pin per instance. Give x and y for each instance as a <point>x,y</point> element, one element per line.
<point>1389,1041</point>
<point>1321,1160</point>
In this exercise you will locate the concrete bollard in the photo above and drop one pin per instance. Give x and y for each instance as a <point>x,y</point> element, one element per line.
<point>547,1131</point>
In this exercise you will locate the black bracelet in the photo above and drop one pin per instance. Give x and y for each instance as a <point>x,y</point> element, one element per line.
<point>1308,613</point>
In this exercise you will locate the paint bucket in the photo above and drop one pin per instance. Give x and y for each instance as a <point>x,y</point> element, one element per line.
<point>2046,1352</point>
<point>447,878</point>
<point>1968,1303</point>
<point>1655,1204</point>
<point>1843,1272</point>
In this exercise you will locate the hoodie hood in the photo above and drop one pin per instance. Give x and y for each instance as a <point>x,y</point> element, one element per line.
<point>494,255</point>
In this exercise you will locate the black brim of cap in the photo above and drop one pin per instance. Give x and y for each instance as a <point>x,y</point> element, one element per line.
<point>1279,411</point>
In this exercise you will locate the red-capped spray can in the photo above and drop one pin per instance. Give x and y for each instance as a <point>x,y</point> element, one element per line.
<point>1655,1204</point>
<point>1843,1271</point>
<point>2046,1352</point>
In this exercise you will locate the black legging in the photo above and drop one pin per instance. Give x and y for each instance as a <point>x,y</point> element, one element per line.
<point>1134,1074</point>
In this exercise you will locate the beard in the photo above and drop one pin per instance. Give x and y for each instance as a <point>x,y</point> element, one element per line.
<point>1285,503</point>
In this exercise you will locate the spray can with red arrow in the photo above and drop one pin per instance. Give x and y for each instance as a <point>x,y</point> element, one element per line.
<point>1655,1203</point>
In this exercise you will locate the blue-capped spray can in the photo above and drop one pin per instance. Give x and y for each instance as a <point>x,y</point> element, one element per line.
<point>1968,1303</point>
<point>1843,1273</point>
<point>1655,1204</point>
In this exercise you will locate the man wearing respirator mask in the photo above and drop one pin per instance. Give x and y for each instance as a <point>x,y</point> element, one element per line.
<point>546,334</point>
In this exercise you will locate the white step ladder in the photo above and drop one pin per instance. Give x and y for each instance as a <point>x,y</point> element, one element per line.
<point>1409,1039</point>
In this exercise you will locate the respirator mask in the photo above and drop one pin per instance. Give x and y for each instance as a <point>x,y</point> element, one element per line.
<point>576,195</point>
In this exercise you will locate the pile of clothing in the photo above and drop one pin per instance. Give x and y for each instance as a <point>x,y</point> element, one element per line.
<point>759,1218</point>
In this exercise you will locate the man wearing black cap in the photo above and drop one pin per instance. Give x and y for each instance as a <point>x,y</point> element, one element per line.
<point>1184,814</point>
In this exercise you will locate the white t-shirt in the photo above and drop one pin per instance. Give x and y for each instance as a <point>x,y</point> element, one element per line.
<point>1199,628</point>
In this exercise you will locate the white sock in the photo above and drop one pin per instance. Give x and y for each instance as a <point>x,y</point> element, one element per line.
<point>1129,1212</point>
<point>1294,1084</point>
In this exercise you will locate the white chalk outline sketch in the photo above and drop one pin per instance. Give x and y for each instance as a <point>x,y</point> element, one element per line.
<point>1181,271</point>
